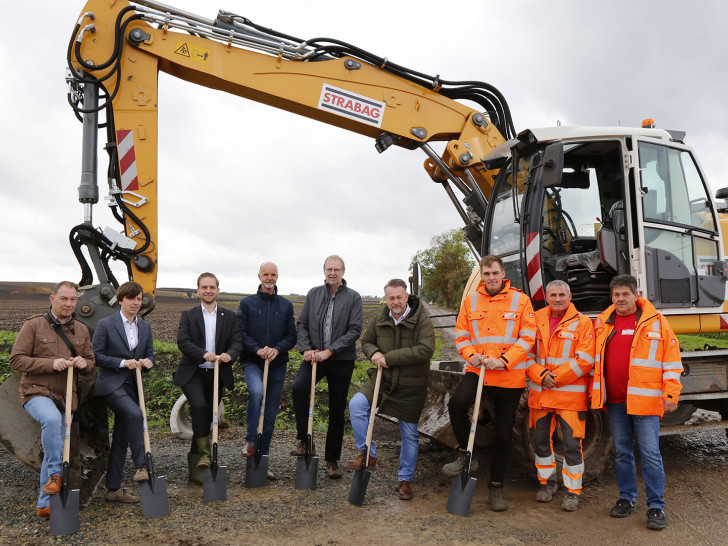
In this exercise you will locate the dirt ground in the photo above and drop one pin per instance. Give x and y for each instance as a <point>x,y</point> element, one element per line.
<point>697,496</point>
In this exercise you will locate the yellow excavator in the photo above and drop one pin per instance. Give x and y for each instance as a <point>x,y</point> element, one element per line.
<point>580,204</point>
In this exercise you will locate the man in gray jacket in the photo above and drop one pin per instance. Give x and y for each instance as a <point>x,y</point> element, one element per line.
<point>328,327</point>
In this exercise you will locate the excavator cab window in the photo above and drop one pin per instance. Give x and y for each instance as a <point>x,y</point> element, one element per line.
<point>582,223</point>
<point>680,230</point>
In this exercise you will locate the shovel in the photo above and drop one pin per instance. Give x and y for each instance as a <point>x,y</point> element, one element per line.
<point>307,466</point>
<point>64,505</point>
<point>361,476</point>
<point>462,487</point>
<point>154,491</point>
<point>214,479</point>
<point>256,467</point>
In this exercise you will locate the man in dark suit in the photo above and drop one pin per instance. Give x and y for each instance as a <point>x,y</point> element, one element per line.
<point>206,332</point>
<point>122,344</point>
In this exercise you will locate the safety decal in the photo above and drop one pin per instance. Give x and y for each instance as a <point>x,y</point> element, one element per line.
<point>350,105</point>
<point>724,320</point>
<point>192,51</point>
<point>127,160</point>
<point>533,261</point>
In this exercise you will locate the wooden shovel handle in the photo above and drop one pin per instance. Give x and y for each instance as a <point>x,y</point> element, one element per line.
<point>372,414</point>
<point>142,406</point>
<point>215,405</point>
<point>476,408</point>
<point>310,400</point>
<point>68,417</point>
<point>262,401</point>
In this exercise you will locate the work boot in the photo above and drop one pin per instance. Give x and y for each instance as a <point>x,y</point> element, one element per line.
<point>248,450</point>
<point>44,512</point>
<point>332,470</point>
<point>656,519</point>
<point>203,448</point>
<point>300,449</point>
<point>142,474</point>
<point>456,467</point>
<point>53,486</point>
<point>357,463</point>
<point>570,502</point>
<point>495,498</point>
<point>194,474</point>
<point>622,508</point>
<point>405,491</point>
<point>546,491</point>
<point>121,495</point>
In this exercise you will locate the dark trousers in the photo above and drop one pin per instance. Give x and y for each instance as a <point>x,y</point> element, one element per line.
<point>128,432</point>
<point>338,375</point>
<point>505,402</point>
<point>199,393</point>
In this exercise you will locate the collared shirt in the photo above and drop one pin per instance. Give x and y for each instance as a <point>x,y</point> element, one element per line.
<point>54,317</point>
<point>400,319</point>
<point>328,321</point>
<point>132,333</point>
<point>210,329</point>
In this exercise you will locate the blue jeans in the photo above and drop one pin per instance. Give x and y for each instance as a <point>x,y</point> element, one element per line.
<point>359,408</point>
<point>52,426</point>
<point>254,379</point>
<point>625,428</point>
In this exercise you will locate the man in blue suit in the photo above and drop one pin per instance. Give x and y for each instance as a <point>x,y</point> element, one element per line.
<point>122,344</point>
<point>207,332</point>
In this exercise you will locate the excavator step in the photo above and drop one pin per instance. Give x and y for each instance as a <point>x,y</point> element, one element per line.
<point>686,429</point>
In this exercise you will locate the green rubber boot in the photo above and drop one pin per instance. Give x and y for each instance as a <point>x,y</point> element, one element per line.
<point>203,449</point>
<point>194,475</point>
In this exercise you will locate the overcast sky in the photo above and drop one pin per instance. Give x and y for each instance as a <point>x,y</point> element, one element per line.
<point>241,183</point>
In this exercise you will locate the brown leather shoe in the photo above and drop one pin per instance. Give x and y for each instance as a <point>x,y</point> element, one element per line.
<point>300,450</point>
<point>357,463</point>
<point>44,512</point>
<point>248,450</point>
<point>121,495</point>
<point>53,486</point>
<point>405,491</point>
<point>142,474</point>
<point>333,471</point>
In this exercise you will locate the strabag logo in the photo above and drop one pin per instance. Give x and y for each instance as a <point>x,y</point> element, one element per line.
<point>350,105</point>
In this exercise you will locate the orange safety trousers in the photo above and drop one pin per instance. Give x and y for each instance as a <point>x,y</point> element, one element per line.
<point>572,426</point>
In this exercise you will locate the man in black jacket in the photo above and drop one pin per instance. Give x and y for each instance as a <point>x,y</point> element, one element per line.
<point>328,327</point>
<point>206,332</point>
<point>266,324</point>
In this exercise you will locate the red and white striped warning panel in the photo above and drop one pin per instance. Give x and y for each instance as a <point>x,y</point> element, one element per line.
<point>127,160</point>
<point>533,259</point>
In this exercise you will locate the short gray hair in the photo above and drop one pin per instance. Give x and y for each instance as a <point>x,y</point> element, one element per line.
<point>557,283</point>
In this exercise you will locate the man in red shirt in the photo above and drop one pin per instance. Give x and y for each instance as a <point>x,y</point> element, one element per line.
<point>637,377</point>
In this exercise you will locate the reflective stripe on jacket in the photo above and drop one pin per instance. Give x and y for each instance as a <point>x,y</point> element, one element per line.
<point>654,367</point>
<point>500,326</point>
<point>568,352</point>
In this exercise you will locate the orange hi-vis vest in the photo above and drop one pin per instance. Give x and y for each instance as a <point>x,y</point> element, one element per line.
<point>500,326</point>
<point>654,363</point>
<point>567,352</point>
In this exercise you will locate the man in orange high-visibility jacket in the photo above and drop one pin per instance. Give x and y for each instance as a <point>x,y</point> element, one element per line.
<point>637,377</point>
<point>558,372</point>
<point>495,329</point>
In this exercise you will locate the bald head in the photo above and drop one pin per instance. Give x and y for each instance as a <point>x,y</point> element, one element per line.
<point>268,275</point>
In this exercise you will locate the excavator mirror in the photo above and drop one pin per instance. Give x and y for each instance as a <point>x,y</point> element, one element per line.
<point>553,165</point>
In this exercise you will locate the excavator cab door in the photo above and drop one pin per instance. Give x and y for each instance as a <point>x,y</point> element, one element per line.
<point>679,239</point>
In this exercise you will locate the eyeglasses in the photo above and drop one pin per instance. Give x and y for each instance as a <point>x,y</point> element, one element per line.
<point>333,270</point>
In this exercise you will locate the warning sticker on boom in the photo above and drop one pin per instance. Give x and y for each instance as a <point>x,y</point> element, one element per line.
<point>350,105</point>
<point>192,51</point>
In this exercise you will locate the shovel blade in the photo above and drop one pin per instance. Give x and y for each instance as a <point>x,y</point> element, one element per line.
<point>154,497</point>
<point>214,484</point>
<point>359,487</point>
<point>64,513</point>
<point>306,470</point>
<point>256,472</point>
<point>461,495</point>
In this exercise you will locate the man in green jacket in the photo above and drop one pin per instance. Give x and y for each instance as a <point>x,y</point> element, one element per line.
<point>401,341</point>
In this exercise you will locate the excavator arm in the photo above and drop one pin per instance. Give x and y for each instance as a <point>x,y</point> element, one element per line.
<point>116,53</point>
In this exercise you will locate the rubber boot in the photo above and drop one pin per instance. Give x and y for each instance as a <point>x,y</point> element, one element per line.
<point>203,448</point>
<point>194,475</point>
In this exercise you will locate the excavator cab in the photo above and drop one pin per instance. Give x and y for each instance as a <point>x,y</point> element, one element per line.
<point>625,201</point>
